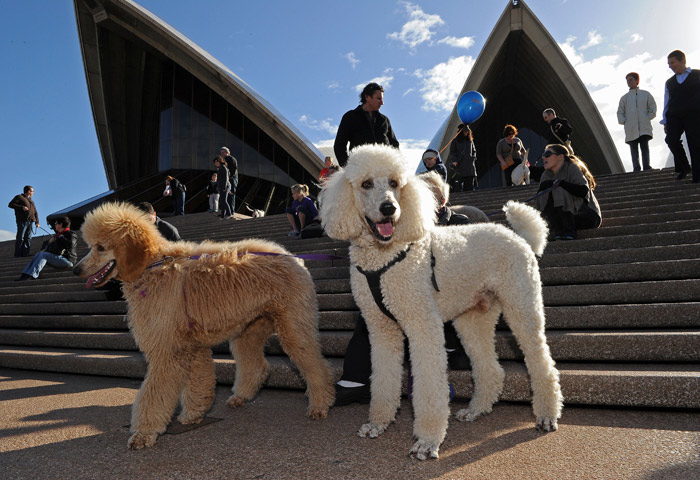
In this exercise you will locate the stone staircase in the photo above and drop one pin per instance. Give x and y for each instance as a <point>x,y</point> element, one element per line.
<point>622,302</point>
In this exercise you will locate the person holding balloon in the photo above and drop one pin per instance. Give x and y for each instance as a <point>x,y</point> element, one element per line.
<point>462,161</point>
<point>509,151</point>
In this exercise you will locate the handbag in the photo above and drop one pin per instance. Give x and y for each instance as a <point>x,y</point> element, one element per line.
<point>509,158</point>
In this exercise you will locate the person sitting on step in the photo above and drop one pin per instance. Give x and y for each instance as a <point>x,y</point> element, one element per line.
<point>570,205</point>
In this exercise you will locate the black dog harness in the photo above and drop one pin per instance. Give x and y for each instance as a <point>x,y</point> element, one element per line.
<point>374,278</point>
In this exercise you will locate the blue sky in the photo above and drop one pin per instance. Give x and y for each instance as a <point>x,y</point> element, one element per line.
<point>307,59</point>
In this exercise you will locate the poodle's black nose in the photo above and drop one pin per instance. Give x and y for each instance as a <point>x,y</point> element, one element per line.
<point>77,270</point>
<point>387,209</point>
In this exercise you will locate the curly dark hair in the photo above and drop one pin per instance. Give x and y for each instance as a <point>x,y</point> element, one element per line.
<point>369,90</point>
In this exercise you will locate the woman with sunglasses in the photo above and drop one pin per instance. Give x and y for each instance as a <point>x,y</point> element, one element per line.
<point>569,204</point>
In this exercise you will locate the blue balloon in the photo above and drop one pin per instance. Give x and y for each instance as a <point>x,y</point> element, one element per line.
<point>470,106</point>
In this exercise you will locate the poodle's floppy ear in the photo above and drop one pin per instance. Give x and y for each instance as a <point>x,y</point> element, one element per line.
<point>418,207</point>
<point>134,252</point>
<point>339,216</point>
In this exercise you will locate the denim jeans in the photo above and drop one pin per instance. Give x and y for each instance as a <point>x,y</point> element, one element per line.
<point>224,207</point>
<point>41,259</point>
<point>232,197</point>
<point>643,143</point>
<point>23,241</point>
<point>178,202</point>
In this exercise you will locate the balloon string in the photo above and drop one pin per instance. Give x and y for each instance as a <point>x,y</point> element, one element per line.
<point>448,143</point>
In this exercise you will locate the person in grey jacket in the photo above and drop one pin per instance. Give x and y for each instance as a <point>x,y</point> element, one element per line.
<point>636,110</point>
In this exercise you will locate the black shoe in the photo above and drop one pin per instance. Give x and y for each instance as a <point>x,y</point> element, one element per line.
<point>24,276</point>
<point>681,175</point>
<point>347,395</point>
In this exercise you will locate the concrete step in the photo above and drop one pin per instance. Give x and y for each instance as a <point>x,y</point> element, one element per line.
<point>567,345</point>
<point>684,315</point>
<point>629,385</point>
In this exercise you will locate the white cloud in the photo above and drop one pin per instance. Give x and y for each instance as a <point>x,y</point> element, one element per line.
<point>419,27</point>
<point>635,38</point>
<point>7,235</point>
<point>442,83</point>
<point>321,125</point>
<point>350,57</point>
<point>463,42</point>
<point>594,38</point>
<point>384,81</point>
<point>333,85</point>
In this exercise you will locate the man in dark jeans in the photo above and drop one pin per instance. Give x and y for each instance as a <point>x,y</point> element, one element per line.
<point>364,125</point>
<point>25,215</point>
<point>361,126</point>
<point>682,114</point>
<point>232,165</point>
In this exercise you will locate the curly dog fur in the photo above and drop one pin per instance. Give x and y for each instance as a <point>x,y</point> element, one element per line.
<point>481,270</point>
<point>180,308</point>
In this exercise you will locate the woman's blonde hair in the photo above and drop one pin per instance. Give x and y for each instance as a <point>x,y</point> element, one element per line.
<point>576,160</point>
<point>301,188</point>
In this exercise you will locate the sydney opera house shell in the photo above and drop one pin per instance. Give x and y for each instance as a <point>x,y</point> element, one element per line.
<point>163,106</point>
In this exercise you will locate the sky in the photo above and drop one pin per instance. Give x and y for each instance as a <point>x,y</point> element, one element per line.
<point>309,59</point>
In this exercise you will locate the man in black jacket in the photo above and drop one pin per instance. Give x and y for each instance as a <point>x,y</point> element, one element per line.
<point>60,251</point>
<point>25,215</point>
<point>682,114</point>
<point>559,128</point>
<point>232,165</point>
<point>364,124</point>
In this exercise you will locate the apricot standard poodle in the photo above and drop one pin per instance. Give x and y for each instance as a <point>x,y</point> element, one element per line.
<point>185,297</point>
<point>408,276</point>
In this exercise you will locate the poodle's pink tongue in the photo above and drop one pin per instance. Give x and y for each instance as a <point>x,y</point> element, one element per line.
<point>385,229</point>
<point>99,276</point>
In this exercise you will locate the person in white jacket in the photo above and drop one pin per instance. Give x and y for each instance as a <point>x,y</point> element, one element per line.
<point>636,110</point>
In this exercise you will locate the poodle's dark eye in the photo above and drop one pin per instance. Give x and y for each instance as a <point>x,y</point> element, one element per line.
<point>100,248</point>
<point>393,183</point>
<point>367,184</point>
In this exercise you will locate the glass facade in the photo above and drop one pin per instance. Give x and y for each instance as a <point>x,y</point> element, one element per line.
<point>195,122</point>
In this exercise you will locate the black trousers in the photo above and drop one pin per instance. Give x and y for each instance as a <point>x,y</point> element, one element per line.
<point>566,223</point>
<point>357,365</point>
<point>675,126</point>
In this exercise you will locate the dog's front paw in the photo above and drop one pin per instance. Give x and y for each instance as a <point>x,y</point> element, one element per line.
<point>235,401</point>
<point>141,440</point>
<point>468,414</point>
<point>424,449</point>
<point>187,419</point>
<point>317,412</point>
<point>371,430</point>
<point>546,424</point>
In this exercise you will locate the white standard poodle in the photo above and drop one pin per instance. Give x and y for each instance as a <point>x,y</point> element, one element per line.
<point>409,276</point>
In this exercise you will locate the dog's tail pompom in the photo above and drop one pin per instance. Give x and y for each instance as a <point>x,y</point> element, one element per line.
<point>529,224</point>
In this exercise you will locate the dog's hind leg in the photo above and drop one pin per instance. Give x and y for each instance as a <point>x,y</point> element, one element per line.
<point>476,330</point>
<point>526,320</point>
<point>298,333</point>
<point>156,400</point>
<point>252,369</point>
<point>198,394</point>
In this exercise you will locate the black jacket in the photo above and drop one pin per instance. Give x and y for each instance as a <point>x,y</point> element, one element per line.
<point>167,230</point>
<point>463,153</point>
<point>232,165</point>
<point>65,245</point>
<point>561,127</point>
<point>357,128</point>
